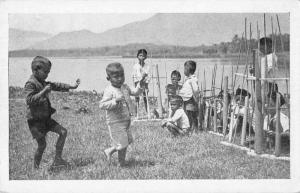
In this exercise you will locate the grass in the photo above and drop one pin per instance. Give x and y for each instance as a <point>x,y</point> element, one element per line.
<point>153,155</point>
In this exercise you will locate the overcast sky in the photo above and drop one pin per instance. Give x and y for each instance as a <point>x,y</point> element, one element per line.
<point>55,23</point>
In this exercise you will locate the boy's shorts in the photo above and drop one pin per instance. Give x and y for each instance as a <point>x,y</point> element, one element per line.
<point>190,105</point>
<point>120,134</point>
<point>40,128</point>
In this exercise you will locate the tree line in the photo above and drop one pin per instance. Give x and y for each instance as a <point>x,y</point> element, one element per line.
<point>233,48</point>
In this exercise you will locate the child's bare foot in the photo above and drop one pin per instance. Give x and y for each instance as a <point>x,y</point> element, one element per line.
<point>107,155</point>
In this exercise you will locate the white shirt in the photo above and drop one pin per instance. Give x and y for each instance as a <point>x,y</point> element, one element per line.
<point>271,64</point>
<point>190,88</point>
<point>139,70</point>
<point>284,121</point>
<point>180,119</point>
<point>117,112</point>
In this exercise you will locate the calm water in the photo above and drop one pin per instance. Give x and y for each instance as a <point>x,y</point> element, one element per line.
<point>91,71</point>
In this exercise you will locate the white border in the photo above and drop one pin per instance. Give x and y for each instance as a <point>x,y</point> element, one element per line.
<point>135,6</point>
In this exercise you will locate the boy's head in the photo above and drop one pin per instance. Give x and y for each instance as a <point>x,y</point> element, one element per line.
<point>272,97</point>
<point>175,77</point>
<point>175,102</point>
<point>189,67</point>
<point>115,74</point>
<point>40,67</point>
<point>142,54</point>
<point>241,94</point>
<point>265,45</point>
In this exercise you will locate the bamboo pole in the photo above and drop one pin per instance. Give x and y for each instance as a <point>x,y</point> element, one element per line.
<point>258,106</point>
<point>243,136</point>
<point>148,107</point>
<point>264,74</point>
<point>225,107</point>
<point>159,99</point>
<point>277,134</point>
<point>215,115</point>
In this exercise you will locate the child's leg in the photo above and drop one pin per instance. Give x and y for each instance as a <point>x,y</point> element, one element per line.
<point>62,132</point>
<point>122,156</point>
<point>109,152</point>
<point>195,121</point>
<point>39,152</point>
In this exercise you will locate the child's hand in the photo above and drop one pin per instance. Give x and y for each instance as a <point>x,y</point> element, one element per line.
<point>47,88</point>
<point>76,84</point>
<point>120,98</point>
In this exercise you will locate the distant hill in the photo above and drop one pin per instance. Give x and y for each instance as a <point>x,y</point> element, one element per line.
<point>21,39</point>
<point>183,29</point>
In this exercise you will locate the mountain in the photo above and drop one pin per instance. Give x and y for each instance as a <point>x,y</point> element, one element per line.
<point>185,29</point>
<point>21,39</point>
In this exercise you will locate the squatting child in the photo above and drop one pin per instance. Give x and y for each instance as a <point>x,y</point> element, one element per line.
<point>39,109</point>
<point>141,69</point>
<point>178,122</point>
<point>117,103</point>
<point>190,94</point>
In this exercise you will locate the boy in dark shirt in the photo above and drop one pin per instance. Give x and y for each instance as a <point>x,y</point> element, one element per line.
<point>39,109</point>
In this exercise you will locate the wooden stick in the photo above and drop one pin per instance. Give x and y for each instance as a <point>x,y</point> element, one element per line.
<point>148,107</point>
<point>159,101</point>
<point>278,129</point>
<point>225,107</point>
<point>215,115</point>
<point>258,145</point>
<point>243,136</point>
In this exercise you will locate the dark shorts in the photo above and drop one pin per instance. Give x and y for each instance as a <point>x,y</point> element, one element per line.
<point>40,128</point>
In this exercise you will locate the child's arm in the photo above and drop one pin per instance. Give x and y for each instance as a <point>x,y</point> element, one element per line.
<point>138,89</point>
<point>108,102</point>
<point>55,86</point>
<point>195,88</point>
<point>177,115</point>
<point>33,97</point>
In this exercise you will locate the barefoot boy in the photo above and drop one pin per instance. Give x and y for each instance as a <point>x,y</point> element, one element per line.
<point>178,122</point>
<point>116,101</point>
<point>39,109</point>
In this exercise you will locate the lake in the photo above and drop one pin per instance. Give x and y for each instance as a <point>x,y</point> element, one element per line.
<point>91,71</point>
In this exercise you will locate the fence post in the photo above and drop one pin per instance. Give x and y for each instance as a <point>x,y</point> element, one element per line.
<point>277,134</point>
<point>258,110</point>
<point>245,121</point>
<point>215,114</point>
<point>159,100</point>
<point>225,107</point>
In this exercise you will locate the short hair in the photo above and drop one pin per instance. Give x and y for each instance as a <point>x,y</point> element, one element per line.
<point>242,92</point>
<point>273,96</point>
<point>176,99</point>
<point>113,68</point>
<point>39,61</point>
<point>264,40</point>
<point>191,65</point>
<point>177,74</point>
<point>221,95</point>
<point>273,87</point>
<point>141,51</point>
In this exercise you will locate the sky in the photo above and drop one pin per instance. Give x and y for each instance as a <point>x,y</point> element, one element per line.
<point>72,22</point>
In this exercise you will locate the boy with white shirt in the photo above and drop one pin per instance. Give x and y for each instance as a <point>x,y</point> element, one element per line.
<point>190,94</point>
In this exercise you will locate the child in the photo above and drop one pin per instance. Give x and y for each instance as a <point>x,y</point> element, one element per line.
<point>266,52</point>
<point>116,101</point>
<point>178,122</point>
<point>271,118</point>
<point>173,89</point>
<point>39,109</point>
<point>140,70</point>
<point>190,94</point>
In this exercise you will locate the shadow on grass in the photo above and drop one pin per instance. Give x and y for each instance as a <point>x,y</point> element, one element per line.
<point>74,163</point>
<point>139,163</point>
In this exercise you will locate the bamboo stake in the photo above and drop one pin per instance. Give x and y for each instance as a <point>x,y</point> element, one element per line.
<point>243,136</point>
<point>215,115</point>
<point>264,74</point>
<point>159,101</point>
<point>285,66</point>
<point>258,105</point>
<point>277,136</point>
<point>148,107</point>
<point>225,107</point>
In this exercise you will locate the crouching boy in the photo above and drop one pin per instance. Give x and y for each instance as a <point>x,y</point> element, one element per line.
<point>178,122</point>
<point>117,103</point>
<point>39,109</point>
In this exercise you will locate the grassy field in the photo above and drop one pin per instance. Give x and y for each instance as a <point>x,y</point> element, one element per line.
<point>153,155</point>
